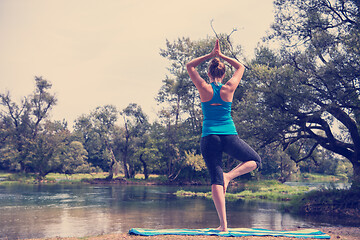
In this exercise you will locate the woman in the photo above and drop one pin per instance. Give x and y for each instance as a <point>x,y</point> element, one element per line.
<point>219,133</point>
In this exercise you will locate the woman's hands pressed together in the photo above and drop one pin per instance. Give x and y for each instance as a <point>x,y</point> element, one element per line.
<point>216,51</point>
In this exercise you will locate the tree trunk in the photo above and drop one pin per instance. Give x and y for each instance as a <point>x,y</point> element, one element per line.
<point>112,165</point>
<point>146,174</point>
<point>356,176</point>
<point>125,153</point>
<point>132,172</point>
<point>127,175</point>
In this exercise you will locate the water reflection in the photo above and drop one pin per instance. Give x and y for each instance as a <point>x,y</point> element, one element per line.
<point>39,211</point>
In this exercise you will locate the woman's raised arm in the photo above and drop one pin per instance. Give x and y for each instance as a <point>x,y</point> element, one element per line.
<point>239,71</point>
<point>191,66</point>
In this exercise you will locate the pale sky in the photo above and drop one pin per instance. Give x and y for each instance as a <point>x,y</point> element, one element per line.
<point>98,52</point>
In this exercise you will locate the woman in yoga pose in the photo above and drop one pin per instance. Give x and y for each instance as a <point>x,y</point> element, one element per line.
<point>219,133</point>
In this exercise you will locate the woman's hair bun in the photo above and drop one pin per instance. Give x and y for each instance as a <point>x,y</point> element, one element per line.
<point>216,68</point>
<point>215,62</point>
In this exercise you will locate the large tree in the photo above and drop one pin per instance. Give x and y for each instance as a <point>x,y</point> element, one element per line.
<point>136,126</point>
<point>30,142</point>
<point>54,151</point>
<point>21,123</point>
<point>97,132</point>
<point>309,90</point>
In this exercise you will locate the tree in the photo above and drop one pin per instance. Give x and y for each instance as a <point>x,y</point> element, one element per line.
<point>74,159</point>
<point>32,143</point>
<point>22,122</point>
<point>147,153</point>
<point>42,102</point>
<point>54,151</point>
<point>97,132</point>
<point>310,89</point>
<point>136,125</point>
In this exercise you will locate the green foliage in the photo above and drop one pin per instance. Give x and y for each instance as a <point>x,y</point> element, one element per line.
<point>195,161</point>
<point>96,132</point>
<point>315,177</point>
<point>148,154</point>
<point>53,151</point>
<point>74,178</point>
<point>9,157</point>
<point>334,201</point>
<point>75,159</point>
<point>33,144</point>
<point>136,128</point>
<point>183,193</point>
<point>22,123</point>
<point>278,164</point>
<point>21,177</point>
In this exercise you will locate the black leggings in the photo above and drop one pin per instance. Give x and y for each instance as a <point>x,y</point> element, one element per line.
<point>212,147</point>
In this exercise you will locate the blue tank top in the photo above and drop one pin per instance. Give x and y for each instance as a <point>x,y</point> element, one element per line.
<point>217,118</point>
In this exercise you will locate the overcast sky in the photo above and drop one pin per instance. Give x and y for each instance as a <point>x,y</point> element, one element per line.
<point>98,52</point>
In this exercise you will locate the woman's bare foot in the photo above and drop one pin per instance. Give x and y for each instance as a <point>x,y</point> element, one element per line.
<point>222,229</point>
<point>227,180</point>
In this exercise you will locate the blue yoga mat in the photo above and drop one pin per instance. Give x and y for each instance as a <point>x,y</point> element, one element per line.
<point>233,232</point>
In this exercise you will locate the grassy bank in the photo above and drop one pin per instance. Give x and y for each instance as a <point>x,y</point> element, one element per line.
<point>265,190</point>
<point>52,178</point>
<point>344,202</point>
<point>316,177</point>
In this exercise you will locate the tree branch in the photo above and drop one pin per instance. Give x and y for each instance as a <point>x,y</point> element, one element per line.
<point>231,49</point>
<point>308,155</point>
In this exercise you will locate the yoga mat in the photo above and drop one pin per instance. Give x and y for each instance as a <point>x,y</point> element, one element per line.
<point>233,232</point>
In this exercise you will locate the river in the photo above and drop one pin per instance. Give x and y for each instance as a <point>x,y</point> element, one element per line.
<point>43,211</point>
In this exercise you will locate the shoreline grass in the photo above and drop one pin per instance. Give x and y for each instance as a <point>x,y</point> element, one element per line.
<point>270,190</point>
<point>7,178</point>
<point>317,177</point>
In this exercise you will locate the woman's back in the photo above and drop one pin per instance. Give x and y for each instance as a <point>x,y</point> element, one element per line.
<point>217,114</point>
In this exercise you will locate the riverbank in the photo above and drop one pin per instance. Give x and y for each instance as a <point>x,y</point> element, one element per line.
<point>101,178</point>
<point>341,233</point>
<point>270,190</point>
<point>86,178</point>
